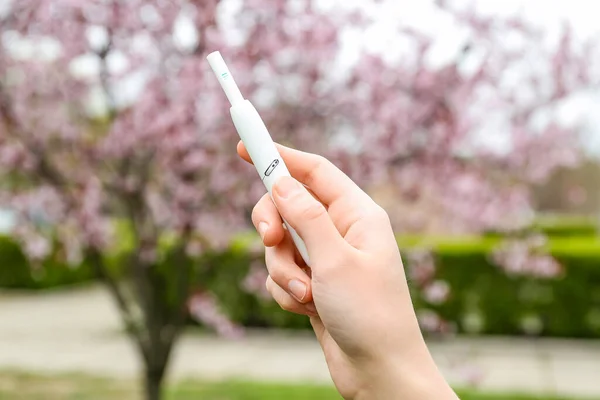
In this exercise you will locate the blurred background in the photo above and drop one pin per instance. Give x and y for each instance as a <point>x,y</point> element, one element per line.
<point>128,264</point>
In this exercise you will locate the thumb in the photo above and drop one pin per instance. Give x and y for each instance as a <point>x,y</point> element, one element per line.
<point>307,216</point>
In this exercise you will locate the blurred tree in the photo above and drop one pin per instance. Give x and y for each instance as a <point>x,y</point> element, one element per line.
<point>109,113</point>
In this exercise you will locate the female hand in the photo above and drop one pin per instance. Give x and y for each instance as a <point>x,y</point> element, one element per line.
<point>355,292</point>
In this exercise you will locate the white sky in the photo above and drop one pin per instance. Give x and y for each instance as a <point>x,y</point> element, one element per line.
<point>424,16</point>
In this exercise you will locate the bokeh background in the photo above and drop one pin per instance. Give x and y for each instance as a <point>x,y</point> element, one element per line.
<point>128,266</point>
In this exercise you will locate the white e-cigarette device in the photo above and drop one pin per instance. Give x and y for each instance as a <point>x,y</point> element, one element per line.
<point>255,136</point>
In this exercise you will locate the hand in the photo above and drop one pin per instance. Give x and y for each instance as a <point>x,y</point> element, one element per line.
<point>355,292</point>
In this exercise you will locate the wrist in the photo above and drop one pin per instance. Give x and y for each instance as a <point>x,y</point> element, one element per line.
<point>410,375</point>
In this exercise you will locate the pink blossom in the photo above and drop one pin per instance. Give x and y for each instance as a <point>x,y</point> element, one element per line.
<point>421,266</point>
<point>527,257</point>
<point>255,281</point>
<point>437,292</point>
<point>429,321</point>
<point>37,248</point>
<point>203,307</point>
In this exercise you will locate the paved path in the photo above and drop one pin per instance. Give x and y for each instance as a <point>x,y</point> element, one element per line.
<point>78,331</point>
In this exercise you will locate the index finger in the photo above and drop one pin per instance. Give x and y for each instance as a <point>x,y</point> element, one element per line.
<point>327,181</point>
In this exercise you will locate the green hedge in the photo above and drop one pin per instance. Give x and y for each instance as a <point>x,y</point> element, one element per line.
<point>568,306</point>
<point>223,273</point>
<point>560,226</point>
<point>563,226</point>
<point>16,272</point>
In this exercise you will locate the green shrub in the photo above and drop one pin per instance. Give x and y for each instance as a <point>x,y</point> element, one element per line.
<point>560,226</point>
<point>480,291</point>
<point>566,306</point>
<point>222,274</point>
<point>14,268</point>
<point>16,272</point>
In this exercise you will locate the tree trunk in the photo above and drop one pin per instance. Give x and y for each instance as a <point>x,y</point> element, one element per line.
<point>153,380</point>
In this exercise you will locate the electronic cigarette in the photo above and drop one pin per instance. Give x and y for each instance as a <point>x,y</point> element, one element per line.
<point>255,136</point>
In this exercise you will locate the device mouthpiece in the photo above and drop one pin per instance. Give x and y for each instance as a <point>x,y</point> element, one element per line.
<point>225,79</point>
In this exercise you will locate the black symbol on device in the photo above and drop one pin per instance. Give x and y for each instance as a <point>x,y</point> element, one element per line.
<point>272,167</point>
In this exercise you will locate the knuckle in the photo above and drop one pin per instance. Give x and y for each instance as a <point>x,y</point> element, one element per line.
<point>382,213</point>
<point>257,214</point>
<point>278,275</point>
<point>260,211</point>
<point>312,210</point>
<point>379,214</point>
<point>319,162</point>
<point>372,214</point>
<point>268,257</point>
<point>286,303</point>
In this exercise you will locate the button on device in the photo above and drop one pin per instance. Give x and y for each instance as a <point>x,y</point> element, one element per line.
<point>272,167</point>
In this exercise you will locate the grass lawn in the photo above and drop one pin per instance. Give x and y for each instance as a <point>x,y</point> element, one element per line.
<point>22,386</point>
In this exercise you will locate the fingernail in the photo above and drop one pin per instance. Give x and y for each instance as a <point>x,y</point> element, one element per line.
<point>263,227</point>
<point>298,289</point>
<point>286,187</point>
